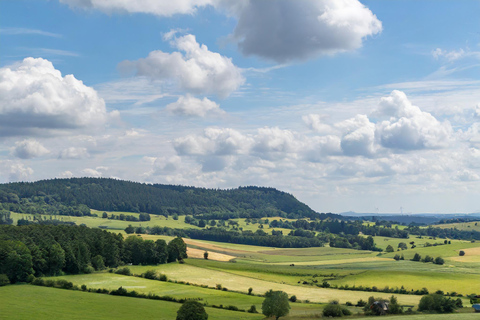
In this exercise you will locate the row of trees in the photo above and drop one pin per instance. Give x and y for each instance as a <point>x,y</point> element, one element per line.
<point>49,250</point>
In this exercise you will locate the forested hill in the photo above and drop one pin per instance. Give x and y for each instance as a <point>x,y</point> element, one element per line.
<point>117,195</point>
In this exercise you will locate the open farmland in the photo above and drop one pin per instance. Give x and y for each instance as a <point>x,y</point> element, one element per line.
<point>50,303</point>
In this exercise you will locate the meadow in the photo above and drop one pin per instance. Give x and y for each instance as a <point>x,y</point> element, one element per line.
<point>297,271</point>
<point>50,303</point>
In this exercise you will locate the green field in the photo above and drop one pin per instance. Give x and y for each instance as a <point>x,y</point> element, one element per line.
<point>112,224</point>
<point>32,302</point>
<point>297,271</point>
<point>467,226</point>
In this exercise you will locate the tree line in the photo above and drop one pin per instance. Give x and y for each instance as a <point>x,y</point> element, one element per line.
<point>43,250</point>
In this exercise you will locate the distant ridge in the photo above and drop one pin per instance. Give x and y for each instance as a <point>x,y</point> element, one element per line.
<point>117,195</point>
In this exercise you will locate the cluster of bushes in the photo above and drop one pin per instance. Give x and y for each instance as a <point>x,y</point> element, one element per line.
<point>124,217</point>
<point>437,260</point>
<point>439,304</point>
<point>333,309</point>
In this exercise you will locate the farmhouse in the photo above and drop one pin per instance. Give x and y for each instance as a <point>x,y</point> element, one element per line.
<point>476,307</point>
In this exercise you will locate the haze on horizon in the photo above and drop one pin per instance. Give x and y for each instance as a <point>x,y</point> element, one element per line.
<point>364,106</point>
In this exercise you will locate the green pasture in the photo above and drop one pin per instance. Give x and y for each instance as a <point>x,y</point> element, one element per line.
<point>466,226</point>
<point>240,283</point>
<point>383,242</point>
<point>210,296</point>
<point>411,275</point>
<point>32,302</point>
<point>433,281</point>
<point>444,251</point>
<point>111,224</point>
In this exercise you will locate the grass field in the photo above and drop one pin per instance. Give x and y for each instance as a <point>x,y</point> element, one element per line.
<point>264,268</point>
<point>111,224</point>
<point>32,302</point>
<point>468,226</point>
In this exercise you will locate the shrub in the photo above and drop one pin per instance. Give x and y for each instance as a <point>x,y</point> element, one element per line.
<point>361,303</point>
<point>83,287</point>
<point>439,260</point>
<point>250,291</point>
<point>125,271</point>
<point>162,277</point>
<point>293,298</point>
<point>4,280</point>
<point>461,253</point>
<point>192,310</point>
<point>335,310</point>
<point>150,274</point>
<point>437,303</point>
<point>252,309</point>
<point>417,257</point>
<point>218,287</point>
<point>389,249</point>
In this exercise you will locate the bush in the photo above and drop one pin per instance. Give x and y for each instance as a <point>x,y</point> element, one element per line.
<point>192,310</point>
<point>125,271</point>
<point>437,303</point>
<point>250,291</point>
<point>361,303</point>
<point>389,249</point>
<point>150,274</point>
<point>4,280</point>
<point>335,310</point>
<point>83,287</point>
<point>461,253</point>
<point>439,260</point>
<point>163,277</point>
<point>417,257</point>
<point>252,309</point>
<point>293,298</point>
<point>218,287</point>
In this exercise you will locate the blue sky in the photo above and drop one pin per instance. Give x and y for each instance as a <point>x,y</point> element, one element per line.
<point>365,106</point>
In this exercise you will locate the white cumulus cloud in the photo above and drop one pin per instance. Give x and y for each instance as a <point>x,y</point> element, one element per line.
<point>193,107</point>
<point>29,148</point>
<point>198,70</point>
<point>35,97</point>
<point>74,153</point>
<point>408,127</point>
<point>11,171</point>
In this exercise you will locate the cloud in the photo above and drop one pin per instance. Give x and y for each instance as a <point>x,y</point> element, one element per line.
<point>358,137</point>
<point>287,30</point>
<point>448,55</point>
<point>198,70</point>
<point>409,128</point>
<point>192,107</point>
<point>15,171</point>
<point>157,7</point>
<point>66,174</point>
<point>35,98</point>
<point>275,142</point>
<point>214,141</point>
<point>26,31</point>
<point>28,149</point>
<point>315,122</point>
<point>74,153</point>
<point>88,172</point>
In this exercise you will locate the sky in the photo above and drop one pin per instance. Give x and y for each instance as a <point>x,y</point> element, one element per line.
<point>365,106</point>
